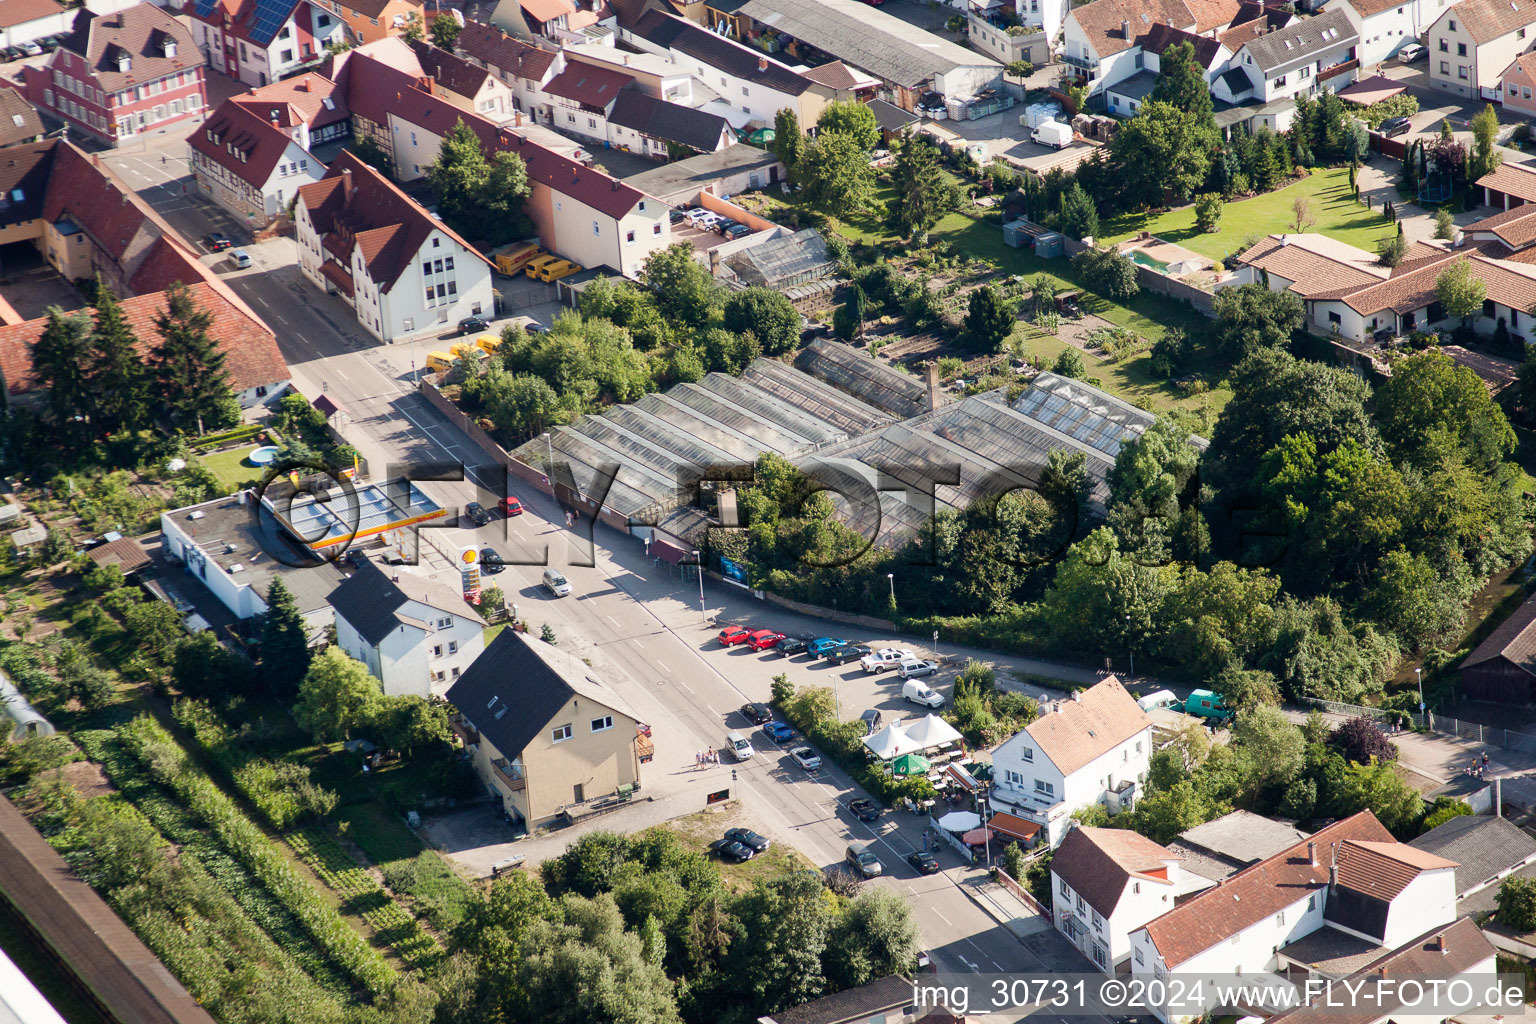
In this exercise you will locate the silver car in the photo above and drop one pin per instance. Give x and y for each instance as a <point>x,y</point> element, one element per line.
<point>556,583</point>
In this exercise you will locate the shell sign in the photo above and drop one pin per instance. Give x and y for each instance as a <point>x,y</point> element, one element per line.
<point>469,574</point>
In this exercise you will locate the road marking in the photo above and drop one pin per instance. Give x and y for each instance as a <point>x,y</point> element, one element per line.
<point>714,712</point>
<point>941,917</point>
<point>281,320</point>
<point>342,374</point>
<point>613,620</point>
<point>685,686</point>
<point>664,667</point>
<point>263,302</point>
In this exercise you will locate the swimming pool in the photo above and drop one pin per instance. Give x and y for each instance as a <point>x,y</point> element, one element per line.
<point>1140,256</point>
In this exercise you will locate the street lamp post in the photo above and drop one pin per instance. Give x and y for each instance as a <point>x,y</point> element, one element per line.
<point>935,645</point>
<point>1420,673</point>
<point>699,561</point>
<point>1131,650</point>
<point>981,805</point>
<point>890,578</point>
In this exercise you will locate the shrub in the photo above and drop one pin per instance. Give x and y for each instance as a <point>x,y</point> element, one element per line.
<point>1517,903</point>
<point>1401,105</point>
<point>1360,739</point>
<point>1208,207</point>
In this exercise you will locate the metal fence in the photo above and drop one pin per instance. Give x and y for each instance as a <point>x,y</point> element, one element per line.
<point>1476,732</point>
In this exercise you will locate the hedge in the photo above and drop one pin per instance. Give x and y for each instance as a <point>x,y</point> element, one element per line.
<point>168,763</point>
<point>843,742</point>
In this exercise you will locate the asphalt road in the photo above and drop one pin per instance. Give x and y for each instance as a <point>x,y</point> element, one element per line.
<point>645,632</point>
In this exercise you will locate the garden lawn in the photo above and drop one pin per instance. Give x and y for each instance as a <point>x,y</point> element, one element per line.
<point>231,467</point>
<point>1333,205</point>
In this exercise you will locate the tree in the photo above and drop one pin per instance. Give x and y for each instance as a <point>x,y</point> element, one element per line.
<point>336,696</point>
<point>788,140</point>
<point>1270,747</point>
<point>922,193</point>
<point>1069,364</point>
<point>1485,151</point>
<point>1108,272</point>
<point>500,201</point>
<point>60,358</point>
<point>203,667</point>
<point>414,30</point>
<point>1360,739</point>
<point>1019,69</point>
<point>1181,81</point>
<point>445,31</point>
<point>1079,218</point>
<point>848,320</point>
<point>1302,216</point>
<point>1517,903</point>
<point>1173,353</point>
<point>1162,816</point>
<point>459,174</point>
<point>587,968</point>
<point>838,177</point>
<point>1430,408</point>
<point>770,316</point>
<point>1242,688</point>
<point>786,922</point>
<point>1443,810</point>
<point>188,367</point>
<point>1411,599</point>
<point>850,118</point>
<point>1392,250</point>
<point>876,938</point>
<point>1208,208</point>
<point>1164,152</point>
<point>681,285</point>
<point>1251,317</point>
<point>1445,224</point>
<point>1460,291</point>
<point>1378,786</point>
<point>407,723</point>
<point>117,378</point>
<point>284,643</point>
<point>989,319</point>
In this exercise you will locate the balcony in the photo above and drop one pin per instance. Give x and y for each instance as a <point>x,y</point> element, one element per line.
<point>511,773</point>
<point>1090,66</point>
<point>1335,70</point>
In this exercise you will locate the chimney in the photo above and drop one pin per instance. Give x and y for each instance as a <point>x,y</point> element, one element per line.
<point>1125,30</point>
<point>931,376</point>
<point>275,124</point>
<point>1443,946</point>
<point>1312,854</point>
<point>346,186</point>
<point>762,62</point>
<point>1333,869</point>
<point>615,184</point>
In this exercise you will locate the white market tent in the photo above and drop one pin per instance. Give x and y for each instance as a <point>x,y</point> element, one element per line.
<point>891,742</point>
<point>932,732</point>
<point>18,719</point>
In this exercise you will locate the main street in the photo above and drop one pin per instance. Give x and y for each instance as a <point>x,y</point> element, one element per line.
<point>640,629</point>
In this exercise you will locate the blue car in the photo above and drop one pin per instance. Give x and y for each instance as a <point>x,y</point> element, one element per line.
<point>779,732</point>
<point>822,644</point>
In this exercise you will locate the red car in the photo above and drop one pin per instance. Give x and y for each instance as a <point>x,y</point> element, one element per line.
<point>764,639</point>
<point>511,506</point>
<point>734,635</point>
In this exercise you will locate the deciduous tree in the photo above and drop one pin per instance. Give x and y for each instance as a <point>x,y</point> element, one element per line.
<point>767,314</point>
<point>838,177</point>
<point>1252,317</point>
<point>336,697</point>
<point>850,118</point>
<point>1460,291</point>
<point>445,31</point>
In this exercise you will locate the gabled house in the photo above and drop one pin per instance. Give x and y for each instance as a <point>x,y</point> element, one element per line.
<point>1126,95</point>
<point>1486,851</point>
<point>311,108</point>
<point>250,166</point>
<point>658,129</point>
<point>1308,55</point>
<point>1471,44</point>
<point>582,96</point>
<point>1099,39</point>
<point>371,20</point>
<point>1385,26</point>
<point>19,121</point>
<point>1091,749</point>
<point>1107,882</point>
<point>462,82</point>
<point>1502,668</point>
<point>415,635</point>
<point>1518,84</point>
<point>397,266</point>
<point>525,68</point>
<point>116,75</point>
<point>1347,896</point>
<point>261,41</point>
<point>548,737</point>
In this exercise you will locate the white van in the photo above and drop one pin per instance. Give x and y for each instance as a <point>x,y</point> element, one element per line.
<point>1052,133</point>
<point>1160,699</point>
<point>737,744</point>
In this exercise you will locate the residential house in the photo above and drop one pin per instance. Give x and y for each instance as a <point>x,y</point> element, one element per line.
<point>311,108</point>
<point>1349,894</point>
<point>546,18</point>
<point>415,635</point>
<point>1385,26</point>
<point>261,41</point>
<point>399,268</point>
<point>886,1001</point>
<point>368,21</point>
<point>1518,83</point>
<point>116,75</point>
<point>1308,55</point>
<point>1472,42</point>
<point>250,166</point>
<point>722,173</point>
<point>651,73</point>
<point>747,80</point>
<point>1091,749</point>
<point>525,68</point>
<point>1007,43</point>
<point>908,61</point>
<point>582,96</point>
<point>19,121</point>
<point>1126,95</point>
<point>1487,850</point>
<point>1044,16</point>
<point>1502,668</point>
<point>1508,186</point>
<point>25,21</point>
<point>465,84</point>
<point>1107,882</point>
<point>548,737</point>
<point>1223,846</point>
<point>656,128</point>
<point>1103,40</point>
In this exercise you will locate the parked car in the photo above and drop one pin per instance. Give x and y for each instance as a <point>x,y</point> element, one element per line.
<point>791,646</point>
<point>474,325</point>
<point>885,658</point>
<point>806,758</point>
<point>736,231</point>
<point>863,808</point>
<point>1159,699</point>
<point>778,732</point>
<point>872,720</point>
<point>732,635</point>
<point>1395,126</point>
<point>731,850</point>
<point>677,216</point>
<point>724,224</point>
<point>757,713</point>
<point>863,860</point>
<point>916,667</point>
<point>746,837</point>
<point>510,506</point>
<point>846,653</point>
<point>763,639</point>
<point>240,258</point>
<point>923,862</point>
<point>914,692</point>
<point>556,583</point>
<point>217,241</point>
<point>1208,705</point>
<point>491,561</point>
<point>31,49</point>
<point>822,644</point>
<point>1411,53</point>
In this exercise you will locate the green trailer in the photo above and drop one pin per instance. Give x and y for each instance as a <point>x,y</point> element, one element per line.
<point>1207,705</point>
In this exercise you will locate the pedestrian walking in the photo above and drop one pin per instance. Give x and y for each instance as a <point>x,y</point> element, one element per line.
<point>1485,759</point>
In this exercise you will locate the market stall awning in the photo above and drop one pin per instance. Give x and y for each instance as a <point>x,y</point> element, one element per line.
<point>1372,90</point>
<point>959,821</point>
<point>932,732</point>
<point>976,836</point>
<point>891,742</point>
<point>910,764</point>
<point>1013,825</point>
<point>964,779</point>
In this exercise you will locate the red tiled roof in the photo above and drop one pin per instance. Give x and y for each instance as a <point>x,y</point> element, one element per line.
<point>241,142</point>
<point>250,349</point>
<point>141,33</point>
<point>1105,22</point>
<point>547,10</point>
<point>19,120</point>
<point>1094,721</point>
<point>449,70</point>
<point>1098,862</point>
<point>1383,869</point>
<point>19,12</point>
<point>1256,892</point>
<point>299,100</point>
<point>338,275</point>
<point>1487,20</point>
<point>493,47</point>
<point>1518,180</point>
<point>105,207</point>
<point>1516,227</point>
<point>588,84</point>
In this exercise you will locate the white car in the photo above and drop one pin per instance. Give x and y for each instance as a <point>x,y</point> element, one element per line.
<point>556,583</point>
<point>914,692</point>
<point>1411,53</point>
<point>885,658</point>
<point>806,758</point>
<point>914,667</point>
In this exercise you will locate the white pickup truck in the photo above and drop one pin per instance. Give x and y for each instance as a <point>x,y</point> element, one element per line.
<point>885,659</point>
